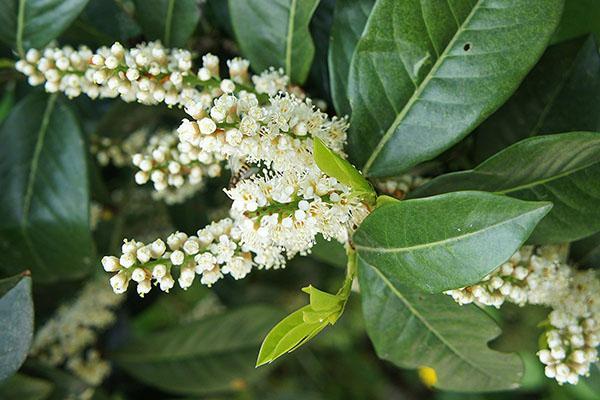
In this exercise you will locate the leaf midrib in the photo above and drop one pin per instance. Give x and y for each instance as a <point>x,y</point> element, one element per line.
<point>413,99</point>
<point>288,43</point>
<point>544,181</point>
<point>440,242</point>
<point>424,321</point>
<point>41,136</point>
<point>20,28</point>
<point>168,22</point>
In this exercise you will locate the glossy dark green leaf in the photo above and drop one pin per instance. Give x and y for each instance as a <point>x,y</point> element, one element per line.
<point>579,18</point>
<point>561,168</point>
<point>92,29</point>
<point>16,320</point>
<point>34,23</point>
<point>425,73</point>
<point>170,21</point>
<point>217,11</point>
<point>413,329</point>
<point>320,29</point>
<point>44,201</point>
<point>211,355</point>
<point>586,252</point>
<point>23,387</point>
<point>446,241</point>
<point>275,33</point>
<point>561,94</point>
<point>350,17</point>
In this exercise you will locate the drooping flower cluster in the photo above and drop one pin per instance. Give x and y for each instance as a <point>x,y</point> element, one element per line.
<point>533,276</point>
<point>573,332</point>
<point>149,74</point>
<point>65,338</point>
<point>541,276</point>
<point>277,210</point>
<point>176,170</point>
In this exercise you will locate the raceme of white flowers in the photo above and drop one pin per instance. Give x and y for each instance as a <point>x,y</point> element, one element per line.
<point>67,337</point>
<point>540,276</point>
<point>175,169</point>
<point>277,211</point>
<point>149,74</point>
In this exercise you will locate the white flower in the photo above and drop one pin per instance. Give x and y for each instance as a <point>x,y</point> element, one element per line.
<point>148,73</point>
<point>111,263</point>
<point>74,327</point>
<point>540,276</point>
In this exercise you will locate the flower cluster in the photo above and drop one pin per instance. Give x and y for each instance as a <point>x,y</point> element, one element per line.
<point>149,74</point>
<point>64,338</point>
<point>176,169</point>
<point>117,152</point>
<point>278,209</point>
<point>215,251</point>
<point>277,134</point>
<point>541,276</point>
<point>534,277</point>
<point>573,331</point>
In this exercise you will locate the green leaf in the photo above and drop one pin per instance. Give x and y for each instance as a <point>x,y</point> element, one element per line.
<point>350,17</point>
<point>320,300</point>
<point>7,102</point>
<point>385,200</point>
<point>335,166</point>
<point>329,252</point>
<point>65,385</point>
<point>413,329</point>
<point>267,352</point>
<point>561,94</point>
<point>91,28</point>
<point>446,241</point>
<point>320,29</point>
<point>425,74</point>
<point>275,33</point>
<point>16,320</point>
<point>304,324</point>
<point>586,252</point>
<point>561,168</point>
<point>579,17</point>
<point>34,23</point>
<point>24,387</point>
<point>171,21</point>
<point>44,201</point>
<point>215,354</point>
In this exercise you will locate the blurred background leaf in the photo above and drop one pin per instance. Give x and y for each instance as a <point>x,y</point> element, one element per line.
<point>275,33</point>
<point>171,21</point>
<point>16,320</point>
<point>214,354</point>
<point>44,203</point>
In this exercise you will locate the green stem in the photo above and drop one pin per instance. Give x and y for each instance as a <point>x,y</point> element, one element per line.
<point>6,63</point>
<point>351,268</point>
<point>20,27</point>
